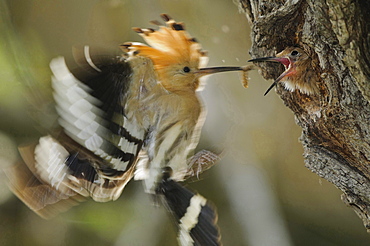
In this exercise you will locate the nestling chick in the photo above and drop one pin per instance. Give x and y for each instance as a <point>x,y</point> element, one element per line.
<point>299,73</point>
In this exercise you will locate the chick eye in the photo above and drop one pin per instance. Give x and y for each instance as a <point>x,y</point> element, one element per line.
<point>186,69</point>
<point>294,53</point>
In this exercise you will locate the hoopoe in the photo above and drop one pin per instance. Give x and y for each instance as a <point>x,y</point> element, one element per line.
<point>137,114</point>
<point>299,71</point>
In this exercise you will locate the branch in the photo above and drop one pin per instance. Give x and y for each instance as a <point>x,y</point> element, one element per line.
<point>336,123</point>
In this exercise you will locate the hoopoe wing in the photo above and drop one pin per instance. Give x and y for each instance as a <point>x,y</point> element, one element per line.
<point>90,92</point>
<point>26,183</point>
<point>90,101</point>
<point>96,153</point>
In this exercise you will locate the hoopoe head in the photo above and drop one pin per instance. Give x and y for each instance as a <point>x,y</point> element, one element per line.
<point>177,57</point>
<point>298,72</point>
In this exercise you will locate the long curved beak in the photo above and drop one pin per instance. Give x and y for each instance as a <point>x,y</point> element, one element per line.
<point>211,70</point>
<point>270,58</point>
<point>282,60</point>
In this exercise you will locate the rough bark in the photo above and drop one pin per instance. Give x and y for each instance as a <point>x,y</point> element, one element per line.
<point>336,123</point>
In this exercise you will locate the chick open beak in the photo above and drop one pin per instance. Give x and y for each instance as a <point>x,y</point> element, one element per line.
<point>285,61</point>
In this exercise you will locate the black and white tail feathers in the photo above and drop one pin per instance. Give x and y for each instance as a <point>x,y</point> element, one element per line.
<point>195,216</point>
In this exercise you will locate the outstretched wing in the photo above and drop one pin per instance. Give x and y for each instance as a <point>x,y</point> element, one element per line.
<point>90,100</point>
<point>90,92</point>
<point>42,197</point>
<point>96,152</point>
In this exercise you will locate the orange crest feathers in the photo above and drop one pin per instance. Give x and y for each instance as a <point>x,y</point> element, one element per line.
<point>170,44</point>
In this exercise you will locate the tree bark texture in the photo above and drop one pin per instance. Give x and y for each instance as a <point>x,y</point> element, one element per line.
<point>336,123</point>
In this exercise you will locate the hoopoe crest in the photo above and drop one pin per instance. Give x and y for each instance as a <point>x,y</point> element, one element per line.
<point>177,57</point>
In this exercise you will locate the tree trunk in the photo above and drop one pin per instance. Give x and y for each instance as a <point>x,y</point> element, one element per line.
<point>336,123</point>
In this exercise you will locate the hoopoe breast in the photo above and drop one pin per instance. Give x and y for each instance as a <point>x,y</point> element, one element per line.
<point>173,136</point>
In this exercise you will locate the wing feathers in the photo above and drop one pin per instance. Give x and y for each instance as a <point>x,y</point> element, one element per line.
<point>97,154</point>
<point>25,182</point>
<point>92,102</point>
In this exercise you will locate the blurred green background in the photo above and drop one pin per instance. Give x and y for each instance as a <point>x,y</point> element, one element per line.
<point>263,193</point>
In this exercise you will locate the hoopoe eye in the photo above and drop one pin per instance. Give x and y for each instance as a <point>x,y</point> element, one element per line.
<point>186,69</point>
<point>294,53</point>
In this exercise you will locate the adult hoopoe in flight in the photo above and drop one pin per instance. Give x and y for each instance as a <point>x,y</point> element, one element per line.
<point>137,114</point>
<point>299,71</point>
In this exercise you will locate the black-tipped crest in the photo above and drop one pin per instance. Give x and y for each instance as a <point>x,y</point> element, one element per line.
<point>156,23</point>
<point>194,40</point>
<point>137,29</point>
<point>166,17</point>
<point>178,26</point>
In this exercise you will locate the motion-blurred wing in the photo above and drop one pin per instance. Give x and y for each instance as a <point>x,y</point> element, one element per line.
<point>101,143</point>
<point>95,154</point>
<point>44,199</point>
<point>196,218</point>
<point>90,100</point>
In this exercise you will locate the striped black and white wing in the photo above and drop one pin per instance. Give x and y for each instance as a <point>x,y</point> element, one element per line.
<point>90,100</point>
<point>195,216</point>
<point>90,92</point>
<point>102,143</point>
<point>95,153</point>
<point>43,197</point>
